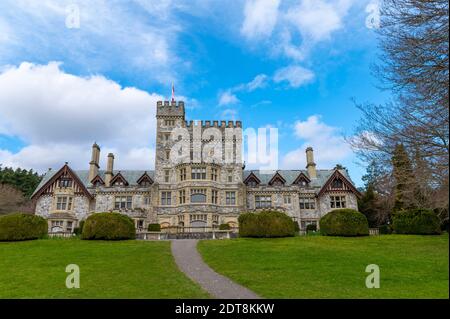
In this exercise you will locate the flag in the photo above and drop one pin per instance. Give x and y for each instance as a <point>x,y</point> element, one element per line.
<point>173,92</point>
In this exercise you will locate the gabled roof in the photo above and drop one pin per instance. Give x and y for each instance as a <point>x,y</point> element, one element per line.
<point>252,176</point>
<point>118,177</point>
<point>52,177</point>
<point>144,177</point>
<point>131,176</point>
<point>300,177</point>
<point>348,185</point>
<point>323,175</point>
<point>275,177</point>
<point>96,179</point>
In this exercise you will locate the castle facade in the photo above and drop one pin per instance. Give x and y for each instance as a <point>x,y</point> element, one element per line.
<point>199,181</point>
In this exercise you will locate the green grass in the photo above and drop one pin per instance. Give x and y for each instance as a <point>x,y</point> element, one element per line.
<point>121,269</point>
<point>333,267</point>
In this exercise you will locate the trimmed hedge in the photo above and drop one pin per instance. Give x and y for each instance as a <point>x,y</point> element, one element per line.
<point>108,226</point>
<point>344,222</point>
<point>266,224</point>
<point>416,221</point>
<point>154,227</point>
<point>19,226</point>
<point>224,227</point>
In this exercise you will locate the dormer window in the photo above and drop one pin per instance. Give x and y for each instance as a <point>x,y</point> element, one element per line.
<point>252,181</point>
<point>302,180</point>
<point>145,180</point>
<point>337,183</point>
<point>119,180</point>
<point>65,182</point>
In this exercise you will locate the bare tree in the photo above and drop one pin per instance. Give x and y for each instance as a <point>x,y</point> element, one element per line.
<point>414,42</point>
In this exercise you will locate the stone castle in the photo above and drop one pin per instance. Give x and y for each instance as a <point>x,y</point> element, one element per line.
<point>195,191</point>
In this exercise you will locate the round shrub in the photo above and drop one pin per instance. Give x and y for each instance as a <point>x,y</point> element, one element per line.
<point>154,227</point>
<point>344,222</point>
<point>18,226</point>
<point>416,221</point>
<point>266,224</point>
<point>224,227</point>
<point>108,226</point>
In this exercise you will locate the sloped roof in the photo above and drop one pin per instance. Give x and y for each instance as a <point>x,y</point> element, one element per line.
<point>291,175</point>
<point>131,176</point>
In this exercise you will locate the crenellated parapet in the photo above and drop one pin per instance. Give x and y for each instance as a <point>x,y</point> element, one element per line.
<point>216,124</point>
<point>170,109</point>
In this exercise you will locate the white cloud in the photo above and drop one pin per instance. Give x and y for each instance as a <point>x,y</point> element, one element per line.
<point>110,37</point>
<point>60,115</point>
<point>296,26</point>
<point>227,98</point>
<point>329,146</point>
<point>260,81</point>
<point>295,75</point>
<point>260,17</point>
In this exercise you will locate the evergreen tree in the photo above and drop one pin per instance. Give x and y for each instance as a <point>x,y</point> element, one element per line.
<point>404,178</point>
<point>24,180</point>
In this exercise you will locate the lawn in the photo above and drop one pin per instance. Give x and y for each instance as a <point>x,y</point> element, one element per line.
<point>332,267</point>
<point>123,269</point>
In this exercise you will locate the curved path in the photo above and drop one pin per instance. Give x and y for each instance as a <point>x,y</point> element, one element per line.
<point>191,263</point>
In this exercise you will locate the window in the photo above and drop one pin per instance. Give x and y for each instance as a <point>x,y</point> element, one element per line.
<point>139,224</point>
<point>199,173</point>
<point>69,226</point>
<point>166,136</point>
<point>230,176</point>
<point>166,198</point>
<point>307,203</point>
<point>182,195</point>
<point>123,202</point>
<point>65,182</point>
<point>263,201</point>
<point>63,203</point>
<point>183,174</point>
<point>214,196</point>
<point>167,154</point>
<point>337,183</point>
<point>166,175</point>
<point>230,198</point>
<point>214,174</point>
<point>198,217</point>
<point>169,122</point>
<point>337,202</point>
<point>252,183</point>
<point>198,195</point>
<point>147,200</point>
<point>287,199</point>
<point>57,225</point>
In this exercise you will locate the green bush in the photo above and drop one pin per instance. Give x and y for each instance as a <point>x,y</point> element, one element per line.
<point>154,227</point>
<point>344,222</point>
<point>266,224</point>
<point>416,221</point>
<point>108,226</point>
<point>224,227</point>
<point>311,227</point>
<point>79,230</point>
<point>22,227</point>
<point>384,229</point>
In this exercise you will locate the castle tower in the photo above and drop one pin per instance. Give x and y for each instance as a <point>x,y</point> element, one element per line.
<point>169,115</point>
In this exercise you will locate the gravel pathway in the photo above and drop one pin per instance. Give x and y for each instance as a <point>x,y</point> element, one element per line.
<point>191,263</point>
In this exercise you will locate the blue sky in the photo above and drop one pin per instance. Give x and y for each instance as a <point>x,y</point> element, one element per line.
<point>293,65</point>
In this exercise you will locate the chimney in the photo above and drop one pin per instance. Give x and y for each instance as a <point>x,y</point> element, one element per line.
<point>310,165</point>
<point>93,164</point>
<point>109,170</point>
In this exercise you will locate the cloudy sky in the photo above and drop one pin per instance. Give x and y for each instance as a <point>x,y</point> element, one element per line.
<point>293,65</point>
